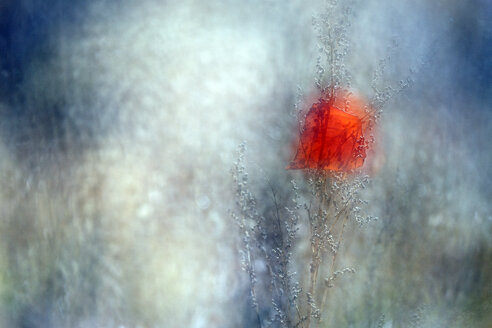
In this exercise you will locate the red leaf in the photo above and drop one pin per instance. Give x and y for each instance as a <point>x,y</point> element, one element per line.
<point>334,134</point>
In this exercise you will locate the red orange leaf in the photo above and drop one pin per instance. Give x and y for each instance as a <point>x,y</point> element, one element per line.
<point>334,134</point>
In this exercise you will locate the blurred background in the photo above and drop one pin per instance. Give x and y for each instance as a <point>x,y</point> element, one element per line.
<point>119,125</point>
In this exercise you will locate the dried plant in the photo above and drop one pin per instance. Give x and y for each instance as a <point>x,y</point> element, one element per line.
<point>293,291</point>
<point>272,242</point>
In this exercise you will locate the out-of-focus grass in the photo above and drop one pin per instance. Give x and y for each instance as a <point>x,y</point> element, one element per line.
<point>116,146</point>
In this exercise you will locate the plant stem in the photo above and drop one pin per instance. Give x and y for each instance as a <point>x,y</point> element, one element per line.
<point>333,261</point>
<point>315,249</point>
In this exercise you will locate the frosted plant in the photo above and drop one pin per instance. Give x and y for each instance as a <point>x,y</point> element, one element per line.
<point>289,285</point>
